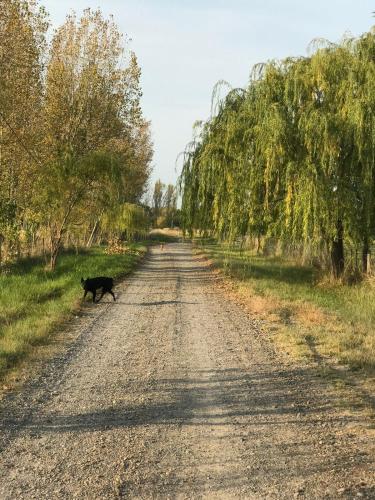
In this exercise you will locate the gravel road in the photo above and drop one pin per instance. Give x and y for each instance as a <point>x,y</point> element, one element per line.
<point>174,392</point>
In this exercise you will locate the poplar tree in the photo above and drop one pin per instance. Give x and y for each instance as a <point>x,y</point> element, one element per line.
<point>23,27</point>
<point>92,121</point>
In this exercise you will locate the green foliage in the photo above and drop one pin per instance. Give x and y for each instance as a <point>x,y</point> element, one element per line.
<point>292,156</point>
<point>74,145</point>
<point>127,220</point>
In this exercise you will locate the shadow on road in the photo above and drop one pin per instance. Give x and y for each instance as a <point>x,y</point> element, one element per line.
<point>232,399</point>
<point>194,401</point>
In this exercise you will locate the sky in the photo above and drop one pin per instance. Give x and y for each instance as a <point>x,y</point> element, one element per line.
<point>185,47</point>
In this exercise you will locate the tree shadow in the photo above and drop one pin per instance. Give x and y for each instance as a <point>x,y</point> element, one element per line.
<point>277,409</point>
<point>148,304</point>
<point>194,401</point>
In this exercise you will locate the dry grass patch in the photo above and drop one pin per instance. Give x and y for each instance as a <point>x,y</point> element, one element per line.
<point>329,326</point>
<point>310,319</point>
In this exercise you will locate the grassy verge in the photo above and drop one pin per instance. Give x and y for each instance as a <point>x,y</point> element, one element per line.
<point>34,301</point>
<point>309,319</point>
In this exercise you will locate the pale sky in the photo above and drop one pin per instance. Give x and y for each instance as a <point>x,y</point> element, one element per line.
<point>185,47</point>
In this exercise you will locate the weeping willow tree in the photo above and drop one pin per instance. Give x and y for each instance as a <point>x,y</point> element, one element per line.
<point>359,112</point>
<point>322,194</point>
<point>292,155</point>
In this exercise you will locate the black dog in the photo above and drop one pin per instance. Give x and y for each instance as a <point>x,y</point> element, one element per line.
<point>93,284</point>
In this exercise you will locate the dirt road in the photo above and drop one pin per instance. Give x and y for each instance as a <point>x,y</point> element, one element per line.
<point>172,392</point>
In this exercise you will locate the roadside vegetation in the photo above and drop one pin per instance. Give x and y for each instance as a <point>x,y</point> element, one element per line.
<point>75,149</point>
<point>34,300</point>
<point>291,158</point>
<point>309,316</point>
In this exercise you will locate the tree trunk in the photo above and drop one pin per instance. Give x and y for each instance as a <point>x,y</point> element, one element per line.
<point>94,230</point>
<point>92,234</point>
<point>337,252</point>
<point>55,245</point>
<point>258,244</point>
<point>365,253</point>
<point>55,248</point>
<point>56,234</point>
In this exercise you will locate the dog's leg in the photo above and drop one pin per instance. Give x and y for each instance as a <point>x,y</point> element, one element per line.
<point>113,295</point>
<point>93,296</point>
<point>84,295</point>
<point>100,298</point>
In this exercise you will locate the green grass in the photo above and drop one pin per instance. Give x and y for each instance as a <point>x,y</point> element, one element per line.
<point>33,300</point>
<point>313,318</point>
